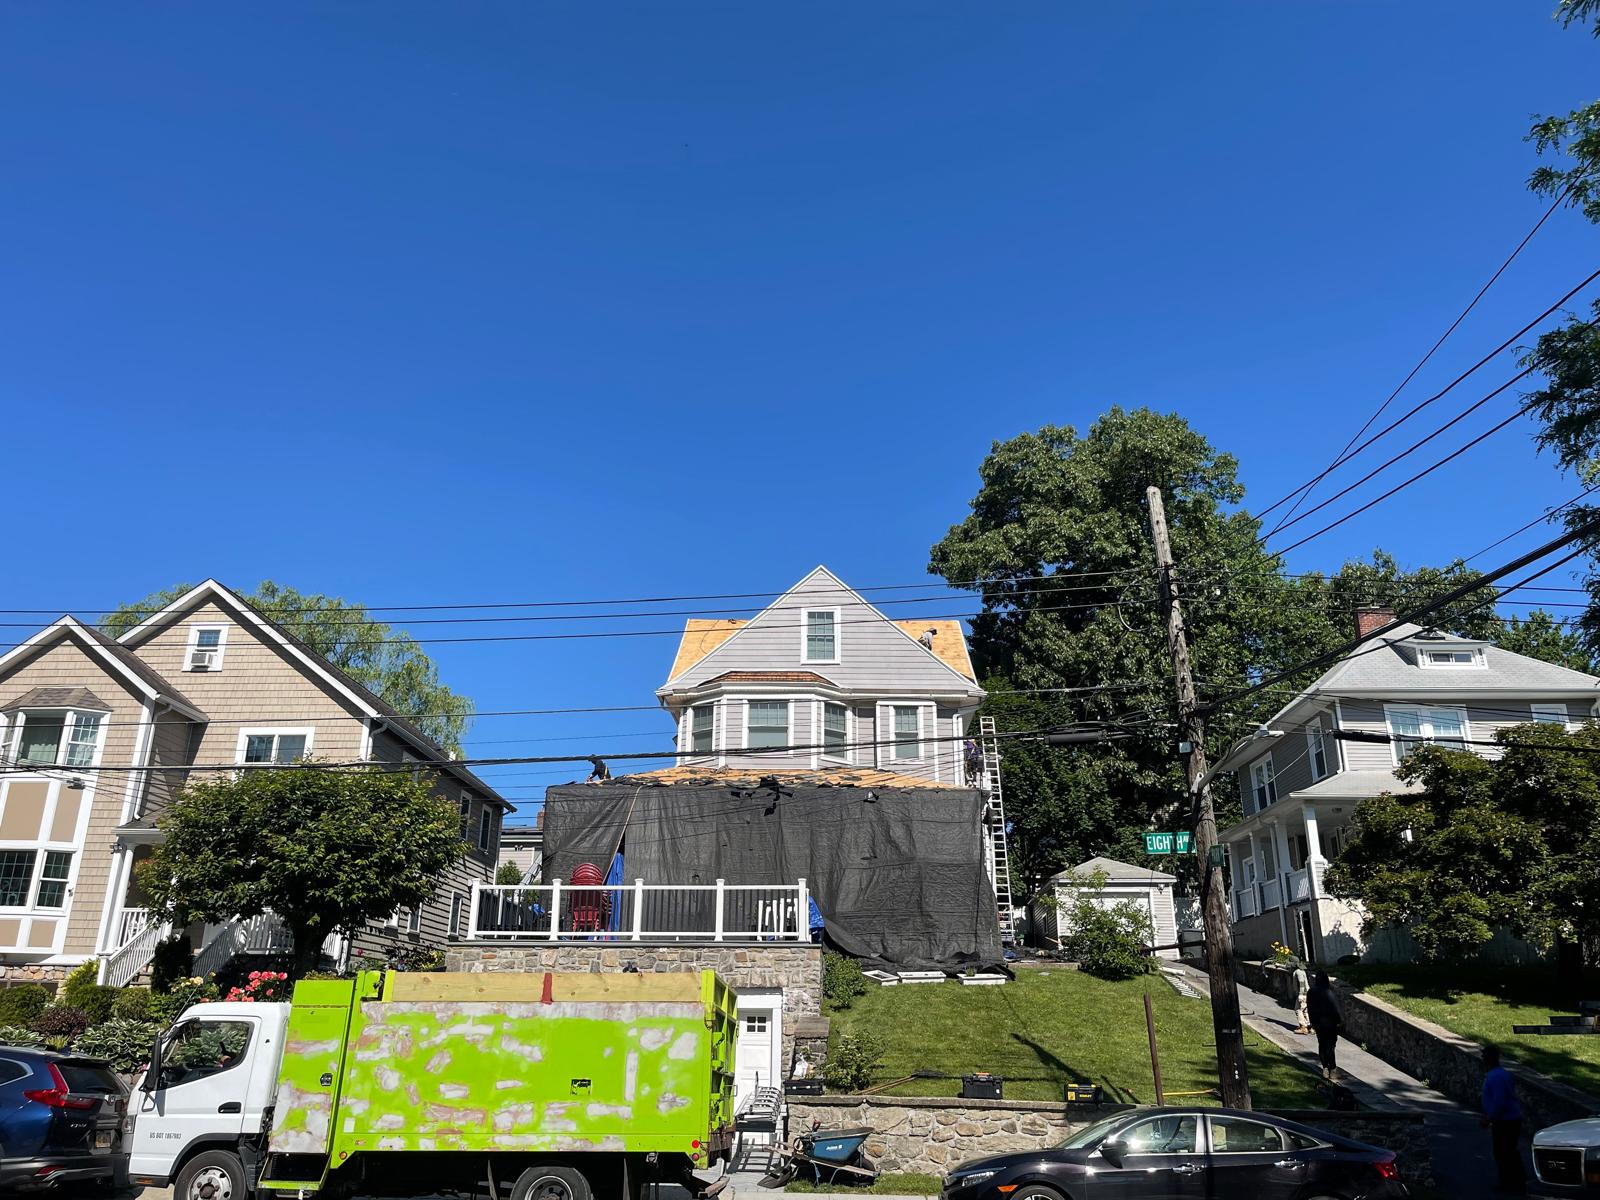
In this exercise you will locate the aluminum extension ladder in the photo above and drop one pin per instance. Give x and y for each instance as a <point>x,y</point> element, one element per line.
<point>995,815</point>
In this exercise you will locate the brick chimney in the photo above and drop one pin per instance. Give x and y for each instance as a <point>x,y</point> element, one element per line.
<point>1372,617</point>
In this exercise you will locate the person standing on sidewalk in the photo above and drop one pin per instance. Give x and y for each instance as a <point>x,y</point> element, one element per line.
<point>1322,1007</point>
<point>1502,1115</point>
<point>1302,985</point>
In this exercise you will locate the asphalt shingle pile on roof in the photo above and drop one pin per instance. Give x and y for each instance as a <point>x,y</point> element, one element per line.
<point>868,777</point>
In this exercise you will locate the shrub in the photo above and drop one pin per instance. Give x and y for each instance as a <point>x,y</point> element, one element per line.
<point>171,963</point>
<point>842,980</point>
<point>60,1024</point>
<point>507,873</point>
<point>1111,943</point>
<point>22,1004</point>
<point>415,958</point>
<point>17,1035</point>
<point>82,990</point>
<point>132,1004</point>
<point>124,1043</point>
<point>168,1007</point>
<point>853,1062</point>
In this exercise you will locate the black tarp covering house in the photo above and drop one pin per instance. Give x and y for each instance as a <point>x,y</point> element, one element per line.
<point>897,873</point>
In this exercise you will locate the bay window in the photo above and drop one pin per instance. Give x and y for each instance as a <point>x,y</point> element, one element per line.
<point>57,737</point>
<point>835,730</point>
<point>766,724</point>
<point>702,719</point>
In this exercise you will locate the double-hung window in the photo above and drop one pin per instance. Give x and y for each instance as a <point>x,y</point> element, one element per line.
<point>835,730</point>
<point>766,724</point>
<point>1317,751</point>
<point>1264,783</point>
<point>274,745</point>
<point>57,738</point>
<point>702,719</point>
<point>204,652</point>
<point>20,868</point>
<point>1414,726</point>
<point>907,732</point>
<point>1551,714</point>
<point>820,636</point>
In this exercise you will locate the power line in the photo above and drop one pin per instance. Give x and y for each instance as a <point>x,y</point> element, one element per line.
<point>1537,520</point>
<point>1344,456</point>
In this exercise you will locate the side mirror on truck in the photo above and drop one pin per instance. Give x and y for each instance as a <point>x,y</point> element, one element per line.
<point>152,1073</point>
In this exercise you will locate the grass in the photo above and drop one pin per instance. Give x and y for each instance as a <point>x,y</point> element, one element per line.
<point>1483,1003</point>
<point>1051,1027</point>
<point>884,1185</point>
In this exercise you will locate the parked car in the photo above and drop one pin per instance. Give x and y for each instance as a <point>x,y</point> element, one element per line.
<point>1566,1158</point>
<point>61,1122</point>
<point>1186,1154</point>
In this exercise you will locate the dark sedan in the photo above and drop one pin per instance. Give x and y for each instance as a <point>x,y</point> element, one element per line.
<point>1186,1154</point>
<point>61,1122</point>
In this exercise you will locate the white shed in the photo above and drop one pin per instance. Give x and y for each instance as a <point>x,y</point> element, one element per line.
<point>1149,889</point>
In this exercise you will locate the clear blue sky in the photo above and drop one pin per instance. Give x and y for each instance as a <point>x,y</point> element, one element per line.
<point>423,303</point>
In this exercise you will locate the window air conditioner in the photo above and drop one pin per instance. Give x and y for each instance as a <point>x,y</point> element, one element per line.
<point>202,660</point>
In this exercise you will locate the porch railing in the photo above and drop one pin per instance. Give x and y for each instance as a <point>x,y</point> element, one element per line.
<point>1298,885</point>
<point>124,964</point>
<point>642,912</point>
<point>131,922</point>
<point>1271,894</point>
<point>1244,903</point>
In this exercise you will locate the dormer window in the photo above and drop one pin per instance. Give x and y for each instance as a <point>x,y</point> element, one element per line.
<point>1450,658</point>
<point>56,738</point>
<point>206,643</point>
<point>819,636</point>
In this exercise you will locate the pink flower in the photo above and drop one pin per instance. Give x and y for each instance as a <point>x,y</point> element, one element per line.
<point>255,975</point>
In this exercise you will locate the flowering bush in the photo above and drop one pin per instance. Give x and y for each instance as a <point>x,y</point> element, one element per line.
<point>169,1006</point>
<point>261,985</point>
<point>1281,954</point>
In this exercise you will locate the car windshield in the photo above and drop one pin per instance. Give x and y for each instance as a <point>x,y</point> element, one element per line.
<point>1087,1137</point>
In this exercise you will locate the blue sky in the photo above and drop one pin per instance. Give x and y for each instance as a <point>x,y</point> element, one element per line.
<point>451,303</point>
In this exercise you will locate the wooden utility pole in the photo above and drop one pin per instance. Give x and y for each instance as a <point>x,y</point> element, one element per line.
<point>1231,1071</point>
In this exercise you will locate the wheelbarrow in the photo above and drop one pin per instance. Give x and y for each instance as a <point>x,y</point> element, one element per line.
<point>828,1155</point>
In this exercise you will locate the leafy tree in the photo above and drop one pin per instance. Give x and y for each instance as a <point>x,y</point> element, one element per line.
<point>1484,843</point>
<point>508,873</point>
<point>1539,635</point>
<point>388,662</point>
<point>325,850</point>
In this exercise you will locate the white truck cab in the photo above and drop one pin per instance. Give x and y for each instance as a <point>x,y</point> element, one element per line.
<point>201,1107</point>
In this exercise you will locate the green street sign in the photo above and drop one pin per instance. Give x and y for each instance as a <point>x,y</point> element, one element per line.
<point>1168,843</point>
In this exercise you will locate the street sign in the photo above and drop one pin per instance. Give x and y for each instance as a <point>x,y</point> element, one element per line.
<point>1167,843</point>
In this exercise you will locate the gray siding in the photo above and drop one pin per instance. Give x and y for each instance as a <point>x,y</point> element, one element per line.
<point>873,653</point>
<point>1366,716</point>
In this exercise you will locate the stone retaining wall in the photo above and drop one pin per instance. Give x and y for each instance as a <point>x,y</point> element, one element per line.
<point>1446,1062</point>
<point>929,1135</point>
<point>795,968</point>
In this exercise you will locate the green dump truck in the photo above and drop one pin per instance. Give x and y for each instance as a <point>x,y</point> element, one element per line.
<point>536,1086</point>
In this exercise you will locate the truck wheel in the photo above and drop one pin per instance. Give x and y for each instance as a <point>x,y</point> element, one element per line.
<point>212,1175</point>
<point>540,1183</point>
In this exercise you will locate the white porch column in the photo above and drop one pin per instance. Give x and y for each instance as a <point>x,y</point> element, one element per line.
<point>1314,860</point>
<point>1280,854</point>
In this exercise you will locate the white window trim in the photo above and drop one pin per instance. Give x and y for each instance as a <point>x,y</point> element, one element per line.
<point>276,731</point>
<point>1478,660</point>
<point>10,742</point>
<point>1269,771</point>
<point>885,734</point>
<point>788,703</point>
<point>485,829</point>
<point>849,731</point>
<point>1317,738</point>
<point>194,644</point>
<point>1428,736</point>
<point>458,915</point>
<point>1553,709</point>
<point>40,846</point>
<point>838,636</point>
<point>687,743</point>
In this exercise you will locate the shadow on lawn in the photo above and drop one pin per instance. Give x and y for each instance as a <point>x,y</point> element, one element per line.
<point>1065,1073</point>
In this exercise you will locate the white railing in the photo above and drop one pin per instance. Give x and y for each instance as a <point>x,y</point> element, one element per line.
<point>131,922</point>
<point>262,934</point>
<point>642,912</point>
<point>1244,903</point>
<point>1271,894</point>
<point>122,966</point>
<point>1298,885</point>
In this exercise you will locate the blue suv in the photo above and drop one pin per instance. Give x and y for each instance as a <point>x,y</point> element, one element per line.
<point>61,1122</point>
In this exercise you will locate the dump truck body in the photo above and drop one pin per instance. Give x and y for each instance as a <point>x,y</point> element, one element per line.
<point>423,1076</point>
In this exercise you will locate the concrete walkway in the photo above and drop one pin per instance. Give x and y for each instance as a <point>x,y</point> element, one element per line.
<point>1463,1164</point>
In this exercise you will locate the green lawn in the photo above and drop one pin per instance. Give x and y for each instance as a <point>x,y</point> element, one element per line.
<point>1051,1027</point>
<point>884,1185</point>
<point>1483,1003</point>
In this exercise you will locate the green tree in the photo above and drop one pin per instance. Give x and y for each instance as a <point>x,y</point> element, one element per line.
<point>507,873</point>
<point>1485,843</point>
<point>325,850</point>
<point>388,662</point>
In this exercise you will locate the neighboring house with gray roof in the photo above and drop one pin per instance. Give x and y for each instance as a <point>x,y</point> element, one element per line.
<point>95,740</point>
<point>1299,783</point>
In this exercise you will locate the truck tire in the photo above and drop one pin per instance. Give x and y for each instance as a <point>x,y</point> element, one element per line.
<point>212,1175</point>
<point>545,1182</point>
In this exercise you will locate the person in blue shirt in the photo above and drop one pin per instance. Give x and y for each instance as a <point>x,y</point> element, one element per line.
<point>1502,1115</point>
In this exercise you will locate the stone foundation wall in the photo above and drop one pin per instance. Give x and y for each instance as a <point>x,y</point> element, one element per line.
<point>796,969</point>
<point>930,1135</point>
<point>1429,1052</point>
<point>33,973</point>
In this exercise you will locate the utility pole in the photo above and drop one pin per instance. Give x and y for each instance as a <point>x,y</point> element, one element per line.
<point>1231,1071</point>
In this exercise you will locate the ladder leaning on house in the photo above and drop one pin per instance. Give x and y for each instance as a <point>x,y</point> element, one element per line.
<point>995,815</point>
